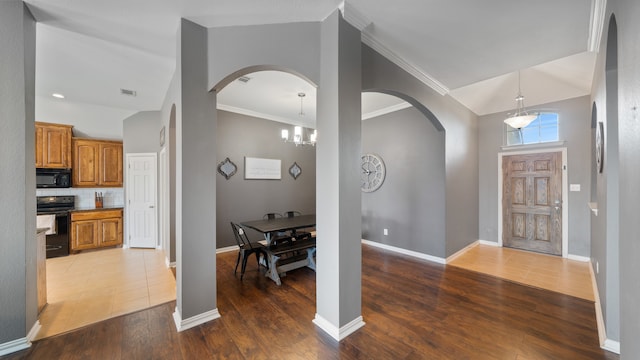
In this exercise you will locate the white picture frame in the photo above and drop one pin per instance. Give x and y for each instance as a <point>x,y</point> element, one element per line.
<point>262,169</point>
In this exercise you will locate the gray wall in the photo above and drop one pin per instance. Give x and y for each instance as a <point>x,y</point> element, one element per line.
<point>141,132</point>
<point>627,12</point>
<point>620,293</point>
<point>196,178</point>
<point>411,201</point>
<point>575,129</point>
<point>18,300</point>
<point>239,199</point>
<point>461,143</point>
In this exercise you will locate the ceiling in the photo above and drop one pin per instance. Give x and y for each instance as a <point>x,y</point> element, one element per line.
<point>472,50</point>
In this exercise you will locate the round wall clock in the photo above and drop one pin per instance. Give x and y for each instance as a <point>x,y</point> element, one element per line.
<point>373,172</point>
<point>600,147</point>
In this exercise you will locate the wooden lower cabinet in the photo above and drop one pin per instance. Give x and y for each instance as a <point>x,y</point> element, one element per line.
<point>96,229</point>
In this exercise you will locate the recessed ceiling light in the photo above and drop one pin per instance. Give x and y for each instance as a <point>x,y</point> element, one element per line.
<point>59,96</point>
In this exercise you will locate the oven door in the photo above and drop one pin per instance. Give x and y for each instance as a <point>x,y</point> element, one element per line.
<point>58,243</point>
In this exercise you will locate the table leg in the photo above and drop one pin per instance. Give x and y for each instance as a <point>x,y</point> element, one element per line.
<point>312,261</point>
<point>273,270</point>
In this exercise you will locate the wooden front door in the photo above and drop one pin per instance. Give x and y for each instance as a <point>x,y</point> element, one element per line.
<point>532,202</point>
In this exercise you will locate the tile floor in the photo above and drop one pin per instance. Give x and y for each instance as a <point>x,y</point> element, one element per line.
<point>548,272</point>
<point>93,286</point>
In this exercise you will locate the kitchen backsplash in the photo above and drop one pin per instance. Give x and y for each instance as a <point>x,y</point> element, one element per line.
<point>85,196</point>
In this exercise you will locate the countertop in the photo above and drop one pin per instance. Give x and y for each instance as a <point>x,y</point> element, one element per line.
<point>81,209</point>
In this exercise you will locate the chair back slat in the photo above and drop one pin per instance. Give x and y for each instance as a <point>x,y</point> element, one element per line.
<point>241,236</point>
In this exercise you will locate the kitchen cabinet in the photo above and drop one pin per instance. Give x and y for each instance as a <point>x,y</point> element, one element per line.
<point>97,163</point>
<point>53,146</point>
<point>93,229</point>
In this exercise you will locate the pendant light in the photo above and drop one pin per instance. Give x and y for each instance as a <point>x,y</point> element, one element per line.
<point>297,131</point>
<point>520,118</point>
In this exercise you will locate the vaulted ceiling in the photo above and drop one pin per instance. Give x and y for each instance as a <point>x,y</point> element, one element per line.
<point>471,50</point>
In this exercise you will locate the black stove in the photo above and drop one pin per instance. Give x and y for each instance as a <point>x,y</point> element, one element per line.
<point>55,204</point>
<point>58,206</point>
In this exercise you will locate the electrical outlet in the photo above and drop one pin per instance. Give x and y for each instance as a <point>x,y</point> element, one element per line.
<point>385,232</point>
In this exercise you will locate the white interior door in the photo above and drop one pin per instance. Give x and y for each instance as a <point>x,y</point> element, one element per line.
<point>141,200</point>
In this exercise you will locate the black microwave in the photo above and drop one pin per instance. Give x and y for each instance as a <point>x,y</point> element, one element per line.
<point>53,178</point>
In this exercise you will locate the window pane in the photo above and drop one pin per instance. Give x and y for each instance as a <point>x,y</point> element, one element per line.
<point>543,129</point>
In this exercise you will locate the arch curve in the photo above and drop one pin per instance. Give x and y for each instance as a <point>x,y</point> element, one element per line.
<point>415,103</point>
<point>255,68</point>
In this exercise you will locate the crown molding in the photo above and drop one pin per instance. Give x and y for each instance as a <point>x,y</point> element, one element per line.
<point>387,110</point>
<point>596,25</point>
<point>354,16</point>
<point>425,78</point>
<point>257,114</point>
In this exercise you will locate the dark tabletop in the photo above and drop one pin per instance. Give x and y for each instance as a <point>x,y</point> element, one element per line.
<point>281,224</point>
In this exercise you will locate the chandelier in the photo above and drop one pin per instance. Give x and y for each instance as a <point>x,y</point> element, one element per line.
<point>297,131</point>
<point>521,118</point>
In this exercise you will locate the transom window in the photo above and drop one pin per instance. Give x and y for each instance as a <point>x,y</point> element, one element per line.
<point>543,129</point>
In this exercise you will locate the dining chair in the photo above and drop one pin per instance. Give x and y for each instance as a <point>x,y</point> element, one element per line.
<point>292,213</point>
<point>246,248</point>
<point>271,216</point>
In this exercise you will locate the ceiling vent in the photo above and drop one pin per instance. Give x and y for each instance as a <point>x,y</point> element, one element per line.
<point>244,79</point>
<point>128,92</point>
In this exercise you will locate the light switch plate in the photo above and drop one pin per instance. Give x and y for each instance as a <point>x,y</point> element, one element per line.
<point>574,187</point>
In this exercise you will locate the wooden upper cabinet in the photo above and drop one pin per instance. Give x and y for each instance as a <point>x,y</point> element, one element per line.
<point>53,146</point>
<point>85,162</point>
<point>97,163</point>
<point>111,164</point>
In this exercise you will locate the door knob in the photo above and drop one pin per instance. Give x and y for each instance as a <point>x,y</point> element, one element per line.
<point>558,204</point>
<point>151,206</point>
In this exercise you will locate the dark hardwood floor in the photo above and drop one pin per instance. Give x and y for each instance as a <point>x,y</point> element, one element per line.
<point>413,309</point>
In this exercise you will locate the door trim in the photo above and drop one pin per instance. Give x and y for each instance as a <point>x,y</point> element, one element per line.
<point>565,193</point>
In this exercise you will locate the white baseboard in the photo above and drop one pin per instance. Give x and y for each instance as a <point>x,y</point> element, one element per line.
<point>335,332</point>
<point>227,249</point>
<point>462,251</point>
<point>578,258</point>
<point>416,254</point>
<point>34,330</point>
<point>168,263</point>
<point>612,346</point>
<point>488,243</point>
<point>195,320</point>
<point>15,345</point>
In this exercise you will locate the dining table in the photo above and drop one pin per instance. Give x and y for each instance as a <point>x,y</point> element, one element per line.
<point>280,259</point>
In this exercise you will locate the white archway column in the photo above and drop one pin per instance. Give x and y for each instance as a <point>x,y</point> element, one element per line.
<point>338,196</point>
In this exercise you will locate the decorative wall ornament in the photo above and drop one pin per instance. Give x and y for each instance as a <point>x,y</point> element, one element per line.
<point>259,168</point>
<point>373,172</point>
<point>600,146</point>
<point>227,168</point>
<point>295,170</point>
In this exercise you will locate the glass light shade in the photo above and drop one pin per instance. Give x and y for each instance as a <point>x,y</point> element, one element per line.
<point>520,121</point>
<point>285,134</point>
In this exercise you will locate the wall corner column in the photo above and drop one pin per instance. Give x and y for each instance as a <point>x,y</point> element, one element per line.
<point>339,251</point>
<point>196,184</point>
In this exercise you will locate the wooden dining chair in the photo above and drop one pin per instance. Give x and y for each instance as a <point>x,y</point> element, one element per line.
<point>246,248</point>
